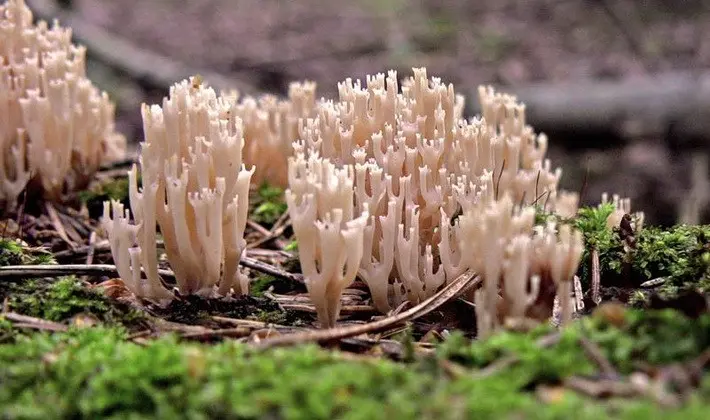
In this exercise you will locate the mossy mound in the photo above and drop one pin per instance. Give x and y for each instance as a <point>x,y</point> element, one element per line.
<point>111,377</point>
<point>94,197</point>
<point>677,258</point>
<point>13,252</point>
<point>63,299</point>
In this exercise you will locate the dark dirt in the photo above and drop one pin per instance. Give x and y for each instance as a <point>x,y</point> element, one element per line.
<point>272,42</point>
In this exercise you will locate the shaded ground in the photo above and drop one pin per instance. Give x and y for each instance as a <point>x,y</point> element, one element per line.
<point>272,42</point>
<point>269,43</point>
<point>126,358</point>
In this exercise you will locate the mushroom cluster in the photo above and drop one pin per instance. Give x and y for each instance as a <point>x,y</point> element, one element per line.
<point>56,127</point>
<point>418,164</point>
<point>195,188</point>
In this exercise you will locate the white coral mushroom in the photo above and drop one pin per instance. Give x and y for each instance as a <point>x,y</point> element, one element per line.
<point>56,127</point>
<point>195,188</point>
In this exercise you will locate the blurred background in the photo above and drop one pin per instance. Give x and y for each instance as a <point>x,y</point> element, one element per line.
<point>619,86</point>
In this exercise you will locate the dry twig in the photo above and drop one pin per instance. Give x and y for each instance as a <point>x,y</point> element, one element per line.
<point>344,310</point>
<point>453,289</point>
<point>25,321</point>
<point>596,278</point>
<point>595,354</point>
<point>103,246</point>
<point>236,332</point>
<point>27,271</point>
<point>57,224</point>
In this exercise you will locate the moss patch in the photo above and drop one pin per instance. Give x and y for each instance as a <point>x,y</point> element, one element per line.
<point>112,377</point>
<point>680,255</point>
<point>626,337</point>
<point>13,252</point>
<point>195,310</point>
<point>268,204</point>
<point>60,300</point>
<point>265,282</point>
<point>94,197</point>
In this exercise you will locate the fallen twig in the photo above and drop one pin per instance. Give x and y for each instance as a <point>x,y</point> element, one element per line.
<point>80,251</point>
<point>257,227</point>
<point>654,282</point>
<point>32,322</point>
<point>345,309</point>
<point>453,289</point>
<point>28,271</point>
<point>675,100</point>
<point>596,278</point>
<point>250,323</point>
<point>236,332</point>
<point>505,362</point>
<point>578,295</point>
<point>595,354</point>
<point>57,224</point>
<point>91,251</point>
<point>270,270</point>
<point>104,246</point>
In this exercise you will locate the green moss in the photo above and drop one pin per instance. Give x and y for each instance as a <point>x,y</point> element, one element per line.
<point>94,197</point>
<point>655,337</point>
<point>116,189</point>
<point>592,222</point>
<point>65,298</point>
<point>261,284</point>
<point>7,331</point>
<point>681,253</point>
<point>110,377</point>
<point>13,252</point>
<point>268,204</point>
<point>56,300</point>
<point>196,310</point>
<point>271,317</point>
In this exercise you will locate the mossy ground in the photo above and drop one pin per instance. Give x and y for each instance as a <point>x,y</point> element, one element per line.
<point>94,197</point>
<point>678,257</point>
<point>267,204</point>
<point>14,252</point>
<point>113,376</point>
<point>197,311</point>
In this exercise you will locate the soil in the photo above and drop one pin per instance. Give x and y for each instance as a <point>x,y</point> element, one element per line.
<point>269,43</point>
<point>509,42</point>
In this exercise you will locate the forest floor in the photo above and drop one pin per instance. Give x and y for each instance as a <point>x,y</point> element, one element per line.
<point>76,343</point>
<point>68,323</point>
